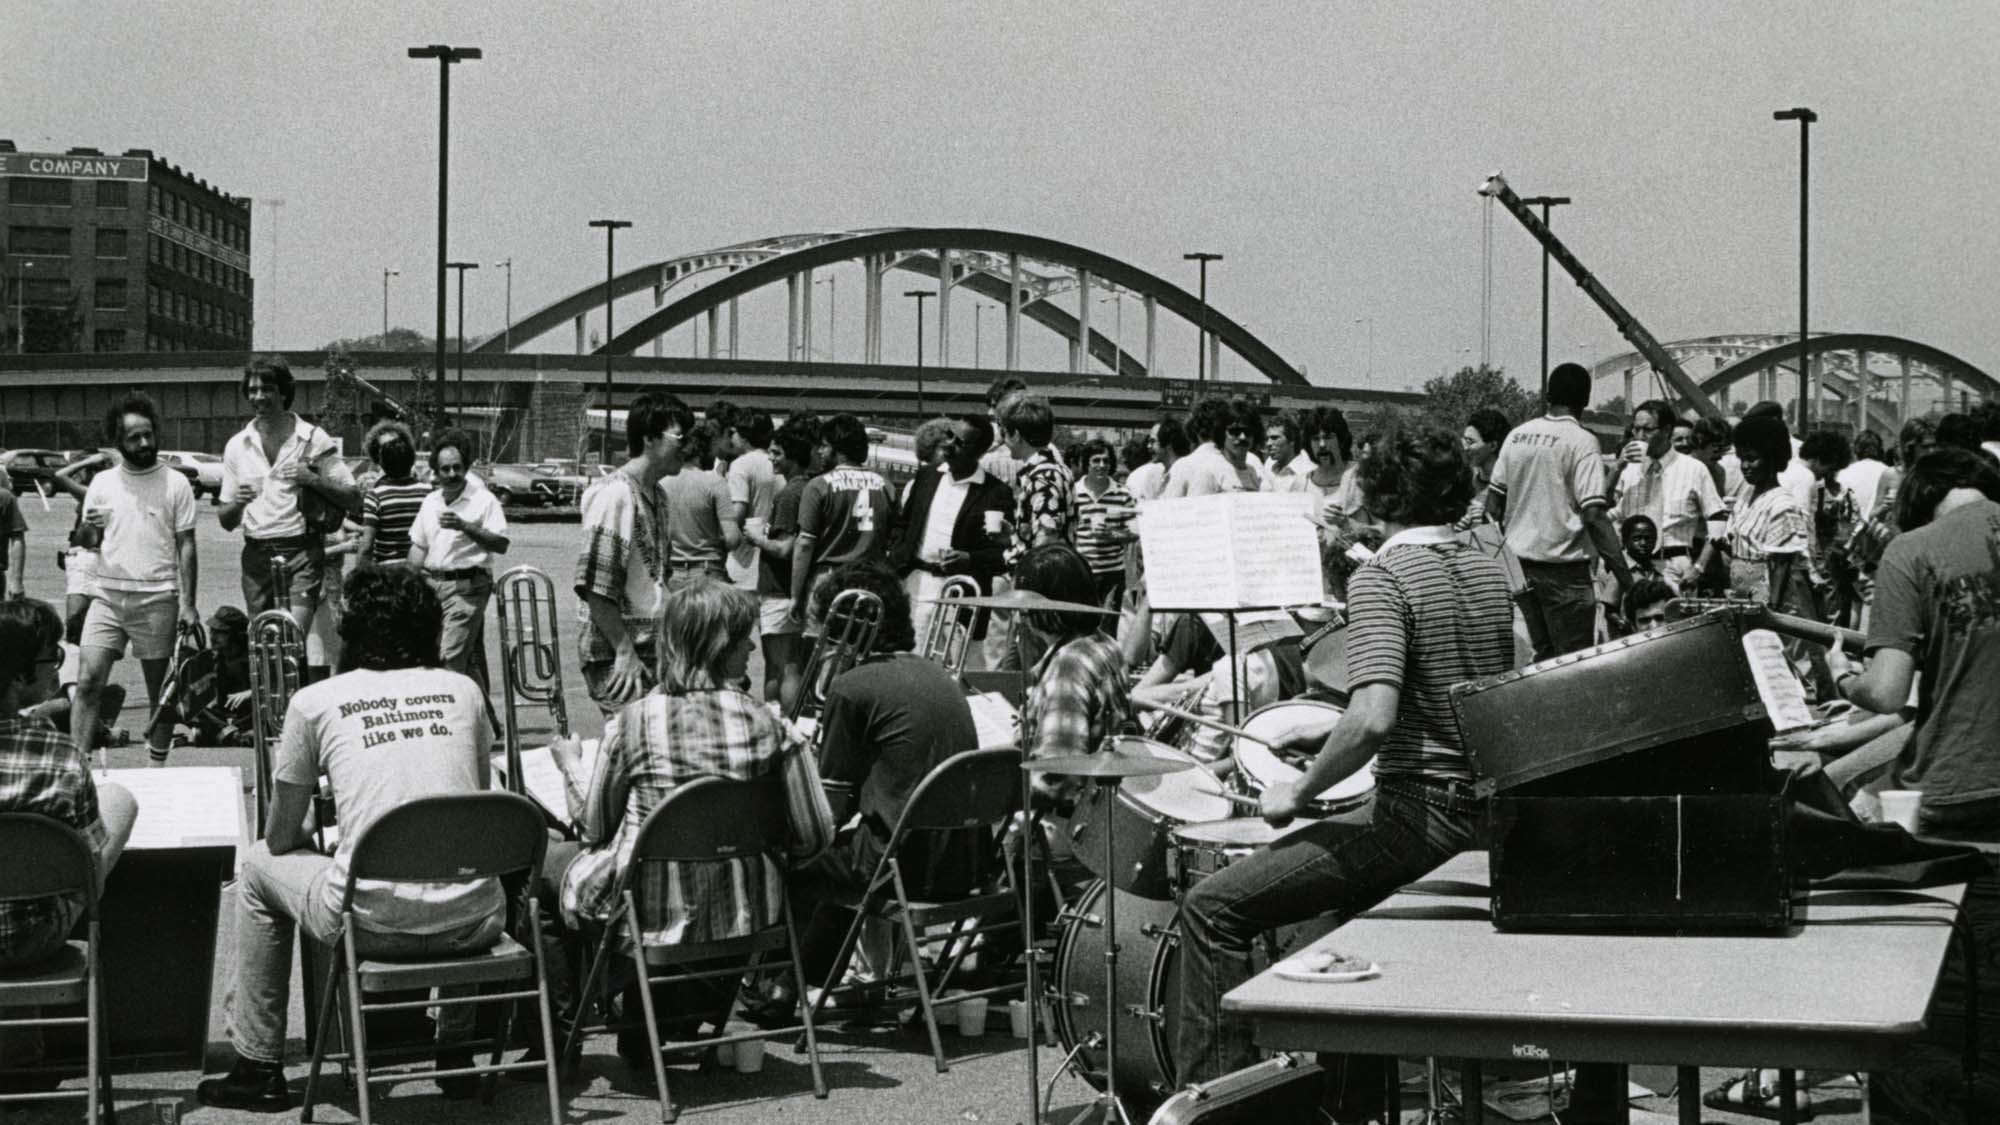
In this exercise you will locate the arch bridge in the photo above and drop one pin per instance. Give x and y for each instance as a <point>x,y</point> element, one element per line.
<point>1036,280</point>
<point>1862,380</point>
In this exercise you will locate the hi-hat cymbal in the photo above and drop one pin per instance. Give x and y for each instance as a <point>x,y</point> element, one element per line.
<point>1108,765</point>
<point>1026,601</point>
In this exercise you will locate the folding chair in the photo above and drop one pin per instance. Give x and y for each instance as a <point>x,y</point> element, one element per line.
<point>447,839</point>
<point>44,857</point>
<point>708,820</point>
<point>973,789</point>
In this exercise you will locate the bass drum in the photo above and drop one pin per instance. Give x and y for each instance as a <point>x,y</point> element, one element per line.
<point>1148,993</point>
<point>1261,767</point>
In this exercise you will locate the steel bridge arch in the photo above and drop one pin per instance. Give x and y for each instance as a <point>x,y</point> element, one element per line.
<point>915,249</point>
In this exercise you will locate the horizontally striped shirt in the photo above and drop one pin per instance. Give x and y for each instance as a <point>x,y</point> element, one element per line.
<point>1100,526</point>
<point>655,745</point>
<point>1427,612</point>
<point>1768,523</point>
<point>390,507</point>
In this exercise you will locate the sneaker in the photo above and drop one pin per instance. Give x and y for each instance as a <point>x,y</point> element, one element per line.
<point>458,1087</point>
<point>250,1085</point>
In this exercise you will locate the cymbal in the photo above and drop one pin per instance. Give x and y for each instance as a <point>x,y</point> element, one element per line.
<point>1108,765</point>
<point>1026,601</point>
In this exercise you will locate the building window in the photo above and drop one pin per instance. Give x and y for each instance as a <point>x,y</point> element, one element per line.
<point>110,340</point>
<point>176,257</point>
<point>153,193</point>
<point>45,292</point>
<point>180,306</point>
<point>35,190</point>
<point>111,242</point>
<point>153,299</point>
<point>110,293</point>
<point>42,241</point>
<point>156,249</point>
<point>114,193</point>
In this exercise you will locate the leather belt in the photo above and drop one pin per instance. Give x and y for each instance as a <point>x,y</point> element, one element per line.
<point>456,575</point>
<point>1675,552</point>
<point>1450,796</point>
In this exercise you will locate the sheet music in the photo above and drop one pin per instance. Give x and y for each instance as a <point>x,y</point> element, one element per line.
<point>183,807</point>
<point>1777,685</point>
<point>995,718</point>
<point>543,781</point>
<point>1192,561</point>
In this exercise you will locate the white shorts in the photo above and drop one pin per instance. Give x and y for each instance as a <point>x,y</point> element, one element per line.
<point>79,567</point>
<point>146,619</point>
<point>775,618</point>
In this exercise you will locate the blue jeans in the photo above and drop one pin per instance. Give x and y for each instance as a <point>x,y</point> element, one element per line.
<point>1559,606</point>
<point>1332,871</point>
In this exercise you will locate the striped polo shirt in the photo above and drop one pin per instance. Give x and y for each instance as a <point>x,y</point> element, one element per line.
<point>1100,521</point>
<point>390,507</point>
<point>1427,612</point>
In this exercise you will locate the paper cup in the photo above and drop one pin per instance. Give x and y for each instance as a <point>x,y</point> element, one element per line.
<point>725,1054</point>
<point>166,1111</point>
<point>972,1017</point>
<point>750,1056</point>
<point>756,525</point>
<point>1017,1017</point>
<point>992,522</point>
<point>1901,806</point>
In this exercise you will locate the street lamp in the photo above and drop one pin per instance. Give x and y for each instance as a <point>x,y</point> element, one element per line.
<point>386,275</point>
<point>921,296</point>
<point>611,227</point>
<point>507,334</point>
<point>1805,117</point>
<point>271,340</point>
<point>1201,349</point>
<point>447,57</point>
<point>1545,202</point>
<point>832,317</point>
<point>978,312</point>
<point>458,395</point>
<point>1370,321</point>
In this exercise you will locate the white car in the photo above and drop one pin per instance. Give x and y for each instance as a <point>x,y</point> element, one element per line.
<point>207,470</point>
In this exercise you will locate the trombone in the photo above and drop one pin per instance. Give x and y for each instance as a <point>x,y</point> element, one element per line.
<point>948,636</point>
<point>277,670</point>
<point>524,602</point>
<point>846,637</point>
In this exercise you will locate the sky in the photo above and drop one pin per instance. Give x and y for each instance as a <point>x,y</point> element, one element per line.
<point>1330,151</point>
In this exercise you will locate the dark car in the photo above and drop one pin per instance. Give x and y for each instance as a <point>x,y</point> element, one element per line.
<point>33,470</point>
<point>558,483</point>
<point>511,484</point>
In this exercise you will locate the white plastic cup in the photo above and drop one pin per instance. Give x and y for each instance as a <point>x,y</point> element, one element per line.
<point>725,1054</point>
<point>1017,1017</point>
<point>972,1017</point>
<point>750,1056</point>
<point>756,525</point>
<point>1901,806</point>
<point>992,522</point>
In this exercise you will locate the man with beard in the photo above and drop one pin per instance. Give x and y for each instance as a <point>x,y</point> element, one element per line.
<point>145,578</point>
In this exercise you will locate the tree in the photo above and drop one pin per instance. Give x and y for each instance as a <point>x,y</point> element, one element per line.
<point>394,340</point>
<point>1617,406</point>
<point>1451,400</point>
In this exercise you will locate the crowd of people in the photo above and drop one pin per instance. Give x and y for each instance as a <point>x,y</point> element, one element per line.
<point>727,533</point>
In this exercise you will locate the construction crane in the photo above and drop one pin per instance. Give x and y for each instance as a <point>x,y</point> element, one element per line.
<point>1629,327</point>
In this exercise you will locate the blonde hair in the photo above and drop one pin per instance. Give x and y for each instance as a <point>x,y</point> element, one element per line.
<point>701,623</point>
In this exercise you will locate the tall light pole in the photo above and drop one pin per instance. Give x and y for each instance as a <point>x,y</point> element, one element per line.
<point>921,296</point>
<point>832,317</point>
<point>271,338</point>
<point>447,57</point>
<point>1201,349</point>
<point>978,312</point>
<point>507,334</point>
<point>458,394</point>
<point>611,227</point>
<point>386,275</point>
<point>1370,321</point>
<point>1805,117</point>
<point>1545,202</point>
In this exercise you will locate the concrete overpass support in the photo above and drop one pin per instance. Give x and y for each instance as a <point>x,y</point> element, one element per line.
<point>792,318</point>
<point>1013,312</point>
<point>1215,355</point>
<point>579,334</point>
<point>944,308</point>
<point>1079,352</point>
<point>806,317</point>
<point>1904,410</point>
<point>659,298</point>
<point>1152,326</point>
<point>714,337</point>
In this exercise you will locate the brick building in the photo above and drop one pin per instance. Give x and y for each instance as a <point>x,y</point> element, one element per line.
<point>120,254</point>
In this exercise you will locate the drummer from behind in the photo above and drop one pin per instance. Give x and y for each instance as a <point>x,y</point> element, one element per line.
<point>1425,613</point>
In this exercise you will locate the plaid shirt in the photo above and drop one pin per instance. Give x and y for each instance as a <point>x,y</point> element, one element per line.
<point>41,772</point>
<point>663,741</point>
<point>1079,699</point>
<point>1044,503</point>
<point>622,528</point>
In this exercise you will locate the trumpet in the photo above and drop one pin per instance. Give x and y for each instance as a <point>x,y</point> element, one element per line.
<point>949,634</point>
<point>277,669</point>
<point>847,636</point>
<point>530,661</point>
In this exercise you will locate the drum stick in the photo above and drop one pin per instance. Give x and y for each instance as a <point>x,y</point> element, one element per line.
<point>1243,802</point>
<point>1190,717</point>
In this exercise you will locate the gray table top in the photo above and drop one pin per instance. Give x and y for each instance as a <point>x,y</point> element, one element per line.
<point>1844,991</point>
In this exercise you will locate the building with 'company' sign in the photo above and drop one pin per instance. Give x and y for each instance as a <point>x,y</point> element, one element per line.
<point>120,254</point>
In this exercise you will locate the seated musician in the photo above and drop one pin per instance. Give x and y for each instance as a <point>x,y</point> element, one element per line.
<point>1272,669</point>
<point>1427,612</point>
<point>41,771</point>
<point>887,722</point>
<point>395,728</point>
<point>694,725</point>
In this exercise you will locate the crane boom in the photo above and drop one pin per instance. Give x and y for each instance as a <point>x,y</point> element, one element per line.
<point>1628,325</point>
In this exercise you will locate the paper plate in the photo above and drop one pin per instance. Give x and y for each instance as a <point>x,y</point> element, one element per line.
<point>1290,970</point>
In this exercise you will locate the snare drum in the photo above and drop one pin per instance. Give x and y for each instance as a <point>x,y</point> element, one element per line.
<point>1201,850</point>
<point>1261,767</point>
<point>1147,809</point>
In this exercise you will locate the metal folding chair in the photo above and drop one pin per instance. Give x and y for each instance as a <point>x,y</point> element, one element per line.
<point>978,788</point>
<point>40,857</point>
<point>706,821</point>
<point>447,839</point>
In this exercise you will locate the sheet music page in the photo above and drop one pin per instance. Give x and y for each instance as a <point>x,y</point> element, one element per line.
<point>543,780</point>
<point>1282,567</point>
<point>995,719</point>
<point>1777,685</point>
<point>183,807</point>
<point>1187,550</point>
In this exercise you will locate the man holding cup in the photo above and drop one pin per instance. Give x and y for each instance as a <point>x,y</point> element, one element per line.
<point>951,524</point>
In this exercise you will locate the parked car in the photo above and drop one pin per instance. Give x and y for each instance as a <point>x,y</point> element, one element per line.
<point>31,470</point>
<point>511,484</point>
<point>559,483</point>
<point>207,471</point>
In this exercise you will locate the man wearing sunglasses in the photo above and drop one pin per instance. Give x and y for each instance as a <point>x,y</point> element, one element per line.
<point>1223,461</point>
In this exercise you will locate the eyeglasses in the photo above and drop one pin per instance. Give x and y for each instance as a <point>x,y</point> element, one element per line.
<point>1644,429</point>
<point>1238,431</point>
